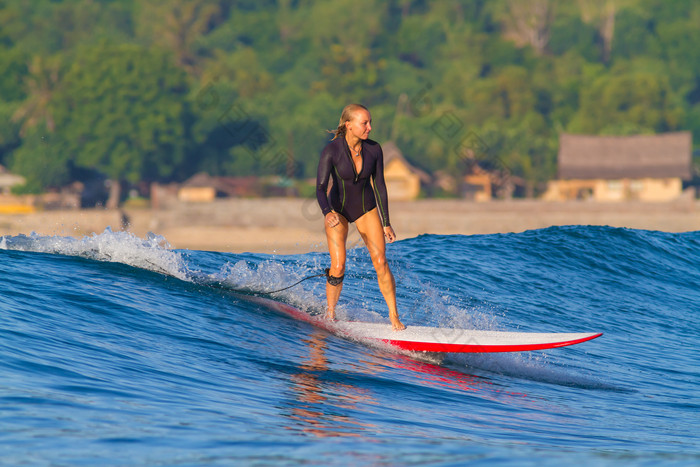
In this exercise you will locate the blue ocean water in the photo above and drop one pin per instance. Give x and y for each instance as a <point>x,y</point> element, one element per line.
<point>117,350</point>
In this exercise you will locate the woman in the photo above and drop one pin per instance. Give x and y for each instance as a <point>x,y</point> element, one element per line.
<point>351,159</point>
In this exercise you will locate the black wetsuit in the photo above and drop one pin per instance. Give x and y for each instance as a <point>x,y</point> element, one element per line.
<point>351,194</point>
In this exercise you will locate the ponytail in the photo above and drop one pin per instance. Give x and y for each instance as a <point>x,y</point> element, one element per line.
<point>340,131</point>
<point>345,116</point>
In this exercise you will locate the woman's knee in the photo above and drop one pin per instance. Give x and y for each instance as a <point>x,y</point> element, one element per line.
<point>337,269</point>
<point>380,265</point>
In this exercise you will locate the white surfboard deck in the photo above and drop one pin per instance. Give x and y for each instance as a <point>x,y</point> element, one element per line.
<point>432,339</point>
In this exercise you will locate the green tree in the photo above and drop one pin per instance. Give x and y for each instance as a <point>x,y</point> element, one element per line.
<point>570,33</point>
<point>627,102</point>
<point>41,84</point>
<point>42,159</point>
<point>121,110</point>
<point>47,27</point>
<point>177,25</point>
<point>527,22</point>
<point>12,93</point>
<point>267,77</point>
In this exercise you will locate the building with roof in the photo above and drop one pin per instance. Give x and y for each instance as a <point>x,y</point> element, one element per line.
<point>622,168</point>
<point>9,203</point>
<point>203,188</point>
<point>403,180</point>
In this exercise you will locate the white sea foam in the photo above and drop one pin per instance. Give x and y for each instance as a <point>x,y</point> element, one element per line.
<point>152,253</point>
<point>269,277</point>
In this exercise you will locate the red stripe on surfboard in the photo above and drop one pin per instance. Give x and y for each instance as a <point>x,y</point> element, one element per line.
<point>414,346</point>
<point>474,348</point>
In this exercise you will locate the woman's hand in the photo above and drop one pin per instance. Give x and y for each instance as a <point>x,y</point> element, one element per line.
<point>332,219</point>
<point>389,234</point>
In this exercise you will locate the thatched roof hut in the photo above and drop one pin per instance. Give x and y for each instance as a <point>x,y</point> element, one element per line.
<point>616,157</point>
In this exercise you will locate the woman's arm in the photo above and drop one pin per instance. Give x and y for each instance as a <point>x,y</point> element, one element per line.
<point>380,192</point>
<point>322,175</point>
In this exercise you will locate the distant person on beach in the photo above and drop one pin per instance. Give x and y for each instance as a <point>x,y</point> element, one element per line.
<point>351,159</point>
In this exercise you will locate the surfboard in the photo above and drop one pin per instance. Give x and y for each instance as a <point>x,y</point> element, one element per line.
<point>432,339</point>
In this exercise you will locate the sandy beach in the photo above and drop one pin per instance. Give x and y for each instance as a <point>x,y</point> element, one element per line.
<point>293,225</point>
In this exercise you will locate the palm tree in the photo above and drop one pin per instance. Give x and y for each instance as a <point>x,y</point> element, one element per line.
<point>177,24</point>
<point>41,82</point>
<point>601,14</point>
<point>528,22</point>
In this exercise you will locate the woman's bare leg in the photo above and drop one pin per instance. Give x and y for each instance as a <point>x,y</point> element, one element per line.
<point>336,236</point>
<point>372,232</point>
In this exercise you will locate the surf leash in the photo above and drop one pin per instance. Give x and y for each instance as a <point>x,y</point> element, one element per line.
<point>325,273</point>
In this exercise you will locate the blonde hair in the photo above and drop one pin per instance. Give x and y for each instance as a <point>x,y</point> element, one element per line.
<point>345,116</point>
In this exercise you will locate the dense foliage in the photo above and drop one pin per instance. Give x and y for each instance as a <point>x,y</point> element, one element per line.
<point>162,89</point>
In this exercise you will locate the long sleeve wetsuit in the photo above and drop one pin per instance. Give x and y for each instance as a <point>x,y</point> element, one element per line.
<point>351,194</point>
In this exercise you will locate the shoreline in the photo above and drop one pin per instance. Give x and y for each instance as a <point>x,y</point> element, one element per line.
<point>295,225</point>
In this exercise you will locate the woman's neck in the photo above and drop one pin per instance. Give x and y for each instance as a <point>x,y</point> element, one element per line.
<point>354,143</point>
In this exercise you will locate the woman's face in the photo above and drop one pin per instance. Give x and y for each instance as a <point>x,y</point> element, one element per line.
<point>360,124</point>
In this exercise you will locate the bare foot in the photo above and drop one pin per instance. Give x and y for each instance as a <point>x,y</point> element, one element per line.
<point>397,325</point>
<point>330,315</point>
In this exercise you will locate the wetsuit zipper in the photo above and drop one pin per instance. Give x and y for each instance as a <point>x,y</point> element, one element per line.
<point>352,163</point>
